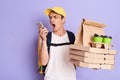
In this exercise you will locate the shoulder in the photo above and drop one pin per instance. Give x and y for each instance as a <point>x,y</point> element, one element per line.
<point>71,36</point>
<point>49,34</point>
<point>49,37</point>
<point>70,33</point>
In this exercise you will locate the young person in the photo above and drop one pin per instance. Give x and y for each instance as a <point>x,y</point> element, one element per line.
<point>56,60</point>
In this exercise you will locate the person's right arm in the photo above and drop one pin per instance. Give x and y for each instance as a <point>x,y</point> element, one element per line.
<point>43,57</point>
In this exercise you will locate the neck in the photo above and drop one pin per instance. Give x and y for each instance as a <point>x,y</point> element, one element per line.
<point>61,32</point>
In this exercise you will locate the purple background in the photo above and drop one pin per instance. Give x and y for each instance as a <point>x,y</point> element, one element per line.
<point>18,34</point>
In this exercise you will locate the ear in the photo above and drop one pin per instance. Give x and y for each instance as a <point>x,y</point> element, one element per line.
<point>63,20</point>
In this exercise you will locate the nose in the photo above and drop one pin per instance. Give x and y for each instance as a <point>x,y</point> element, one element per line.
<point>51,20</point>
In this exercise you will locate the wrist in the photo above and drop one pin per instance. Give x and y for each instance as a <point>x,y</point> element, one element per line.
<point>44,41</point>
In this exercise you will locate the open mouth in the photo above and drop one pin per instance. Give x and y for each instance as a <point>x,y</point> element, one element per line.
<point>53,25</point>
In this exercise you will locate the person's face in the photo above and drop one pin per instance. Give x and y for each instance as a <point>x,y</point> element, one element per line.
<point>56,21</point>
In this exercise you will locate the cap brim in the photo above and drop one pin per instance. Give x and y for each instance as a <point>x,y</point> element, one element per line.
<point>47,11</point>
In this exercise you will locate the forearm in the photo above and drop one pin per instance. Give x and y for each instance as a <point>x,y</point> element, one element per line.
<point>44,53</point>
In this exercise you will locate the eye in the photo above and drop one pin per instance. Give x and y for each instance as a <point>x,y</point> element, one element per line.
<point>55,17</point>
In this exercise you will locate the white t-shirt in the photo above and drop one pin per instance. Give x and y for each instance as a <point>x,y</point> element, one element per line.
<point>59,67</point>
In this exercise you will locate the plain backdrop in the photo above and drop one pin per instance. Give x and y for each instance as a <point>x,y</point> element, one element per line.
<point>19,32</point>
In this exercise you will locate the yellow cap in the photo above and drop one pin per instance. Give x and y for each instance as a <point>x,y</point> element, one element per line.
<point>58,10</point>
